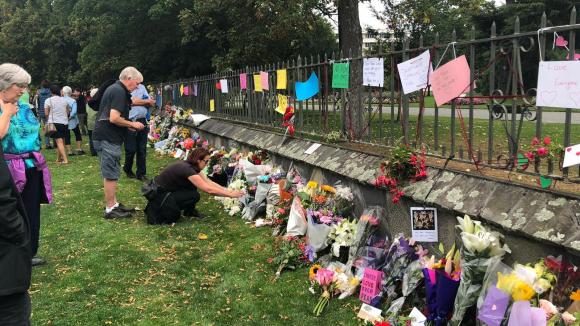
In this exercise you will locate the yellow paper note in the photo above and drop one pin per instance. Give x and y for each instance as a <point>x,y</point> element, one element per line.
<point>257,83</point>
<point>211,105</point>
<point>282,104</point>
<point>281,79</point>
<point>181,90</point>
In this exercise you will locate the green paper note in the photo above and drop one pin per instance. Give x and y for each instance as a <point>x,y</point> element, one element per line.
<point>340,75</point>
<point>545,182</point>
<point>523,161</point>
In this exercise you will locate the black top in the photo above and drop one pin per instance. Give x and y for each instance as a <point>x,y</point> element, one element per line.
<point>15,250</point>
<point>117,98</point>
<point>175,176</point>
<point>81,105</point>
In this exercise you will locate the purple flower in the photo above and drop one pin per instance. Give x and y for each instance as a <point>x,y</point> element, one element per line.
<point>309,253</point>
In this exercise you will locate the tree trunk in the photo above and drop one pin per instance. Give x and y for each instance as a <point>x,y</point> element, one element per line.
<point>350,42</point>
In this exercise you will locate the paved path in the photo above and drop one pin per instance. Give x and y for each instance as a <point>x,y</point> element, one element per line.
<point>547,117</point>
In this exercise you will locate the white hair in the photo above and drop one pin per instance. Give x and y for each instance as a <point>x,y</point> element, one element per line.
<point>130,73</point>
<point>66,91</point>
<point>94,91</point>
<point>11,74</point>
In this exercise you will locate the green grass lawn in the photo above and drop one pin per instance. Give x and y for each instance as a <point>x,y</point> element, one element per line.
<point>125,272</point>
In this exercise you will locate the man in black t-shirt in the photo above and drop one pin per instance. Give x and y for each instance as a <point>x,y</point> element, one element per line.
<point>81,110</point>
<point>109,134</point>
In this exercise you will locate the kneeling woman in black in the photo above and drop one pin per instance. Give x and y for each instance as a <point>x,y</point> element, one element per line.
<point>177,186</point>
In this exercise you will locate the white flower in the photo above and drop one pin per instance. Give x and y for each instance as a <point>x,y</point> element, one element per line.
<point>525,273</point>
<point>465,224</point>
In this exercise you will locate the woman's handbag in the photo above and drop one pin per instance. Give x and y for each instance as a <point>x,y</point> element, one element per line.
<point>50,128</point>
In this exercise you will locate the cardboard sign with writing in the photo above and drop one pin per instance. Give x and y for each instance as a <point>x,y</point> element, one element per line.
<point>559,84</point>
<point>414,73</point>
<point>224,85</point>
<point>257,83</point>
<point>373,72</point>
<point>571,156</point>
<point>450,80</point>
<point>264,79</point>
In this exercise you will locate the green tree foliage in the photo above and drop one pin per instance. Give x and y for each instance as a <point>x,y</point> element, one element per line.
<point>87,41</point>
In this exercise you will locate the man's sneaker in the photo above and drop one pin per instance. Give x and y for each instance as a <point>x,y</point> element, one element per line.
<point>124,208</point>
<point>116,213</point>
<point>37,261</point>
<point>193,213</point>
<point>130,174</point>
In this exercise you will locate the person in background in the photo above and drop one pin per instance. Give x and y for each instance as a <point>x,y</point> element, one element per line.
<point>91,117</point>
<point>15,227</point>
<point>136,141</point>
<point>81,110</point>
<point>109,135</point>
<point>181,180</point>
<point>73,123</point>
<point>43,95</point>
<point>57,111</point>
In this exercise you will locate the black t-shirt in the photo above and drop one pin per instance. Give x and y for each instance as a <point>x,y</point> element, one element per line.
<point>81,105</point>
<point>115,97</point>
<point>175,176</point>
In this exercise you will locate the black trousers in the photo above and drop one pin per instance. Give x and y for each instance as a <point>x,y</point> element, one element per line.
<point>186,199</point>
<point>93,151</point>
<point>136,143</point>
<point>77,133</point>
<point>15,309</point>
<point>32,196</point>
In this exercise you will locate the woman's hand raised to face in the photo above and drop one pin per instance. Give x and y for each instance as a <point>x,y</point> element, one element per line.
<point>9,108</point>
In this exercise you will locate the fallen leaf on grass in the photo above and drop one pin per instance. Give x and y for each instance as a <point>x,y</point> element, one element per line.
<point>202,236</point>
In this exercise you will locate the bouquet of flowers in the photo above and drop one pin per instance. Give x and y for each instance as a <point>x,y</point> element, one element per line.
<point>324,279</point>
<point>400,255</point>
<point>479,246</point>
<point>233,205</point>
<point>291,253</point>
<point>343,201</point>
<point>342,235</point>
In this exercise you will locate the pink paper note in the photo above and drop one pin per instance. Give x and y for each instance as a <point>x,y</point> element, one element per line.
<point>576,56</point>
<point>450,80</point>
<point>243,81</point>
<point>186,90</point>
<point>264,79</point>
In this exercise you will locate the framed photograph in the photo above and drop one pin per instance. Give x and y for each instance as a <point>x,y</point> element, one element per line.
<point>424,224</point>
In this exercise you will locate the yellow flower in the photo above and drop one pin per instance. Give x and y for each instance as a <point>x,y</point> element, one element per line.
<point>312,184</point>
<point>506,283</point>
<point>313,270</point>
<point>575,296</point>
<point>523,292</point>
<point>354,281</point>
<point>328,189</point>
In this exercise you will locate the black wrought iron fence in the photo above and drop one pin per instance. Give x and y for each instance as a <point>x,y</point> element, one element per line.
<point>493,124</point>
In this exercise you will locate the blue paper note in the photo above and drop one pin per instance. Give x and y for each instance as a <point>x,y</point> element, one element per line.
<point>307,89</point>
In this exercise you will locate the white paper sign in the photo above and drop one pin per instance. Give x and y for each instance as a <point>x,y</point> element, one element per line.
<point>424,224</point>
<point>571,156</point>
<point>559,84</point>
<point>373,72</point>
<point>224,85</point>
<point>418,318</point>
<point>414,73</point>
<point>178,153</point>
<point>369,313</point>
<point>311,149</point>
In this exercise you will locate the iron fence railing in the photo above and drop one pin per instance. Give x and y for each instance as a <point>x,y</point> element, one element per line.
<point>501,117</point>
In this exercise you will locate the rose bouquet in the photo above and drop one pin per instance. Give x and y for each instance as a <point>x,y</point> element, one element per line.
<point>291,253</point>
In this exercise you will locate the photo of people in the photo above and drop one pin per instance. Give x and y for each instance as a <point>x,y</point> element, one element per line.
<point>424,224</point>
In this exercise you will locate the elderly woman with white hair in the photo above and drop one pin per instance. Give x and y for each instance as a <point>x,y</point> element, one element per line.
<point>19,131</point>
<point>73,123</point>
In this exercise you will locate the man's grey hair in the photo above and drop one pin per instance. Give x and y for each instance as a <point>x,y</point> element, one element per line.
<point>11,74</point>
<point>130,73</point>
<point>66,91</point>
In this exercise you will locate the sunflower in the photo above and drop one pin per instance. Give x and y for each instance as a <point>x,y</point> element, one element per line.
<point>312,184</point>
<point>329,189</point>
<point>313,270</point>
<point>575,296</point>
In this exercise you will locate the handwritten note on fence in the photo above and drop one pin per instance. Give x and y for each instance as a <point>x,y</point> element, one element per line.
<point>243,81</point>
<point>559,84</point>
<point>281,79</point>
<point>414,73</point>
<point>450,80</point>
<point>340,75</point>
<point>373,72</point>
<point>224,85</point>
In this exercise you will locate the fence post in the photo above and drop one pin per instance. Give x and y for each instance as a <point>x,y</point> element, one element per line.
<point>405,121</point>
<point>515,77</point>
<point>572,52</point>
<point>492,60</point>
<point>452,149</point>
<point>436,118</point>
<point>471,81</point>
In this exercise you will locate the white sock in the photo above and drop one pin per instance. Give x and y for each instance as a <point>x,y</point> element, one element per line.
<point>109,209</point>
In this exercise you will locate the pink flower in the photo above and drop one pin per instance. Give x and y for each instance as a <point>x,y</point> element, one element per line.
<point>326,219</point>
<point>547,140</point>
<point>568,318</point>
<point>535,141</point>
<point>542,151</point>
<point>324,276</point>
<point>548,308</point>
<point>281,211</point>
<point>529,155</point>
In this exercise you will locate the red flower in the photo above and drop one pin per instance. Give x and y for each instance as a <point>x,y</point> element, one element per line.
<point>554,264</point>
<point>529,155</point>
<point>382,323</point>
<point>535,141</point>
<point>542,151</point>
<point>270,260</point>
<point>547,140</point>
